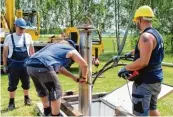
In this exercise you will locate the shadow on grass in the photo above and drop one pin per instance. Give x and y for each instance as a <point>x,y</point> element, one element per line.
<point>74,69</point>
<point>5,110</point>
<point>107,56</point>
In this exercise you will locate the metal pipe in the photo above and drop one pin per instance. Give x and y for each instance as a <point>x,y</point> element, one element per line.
<point>167,64</point>
<point>85,90</point>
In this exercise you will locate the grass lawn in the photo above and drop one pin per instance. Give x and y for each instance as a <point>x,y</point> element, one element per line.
<point>107,84</point>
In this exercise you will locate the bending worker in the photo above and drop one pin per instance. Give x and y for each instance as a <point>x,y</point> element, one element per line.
<point>148,56</point>
<point>17,48</point>
<point>42,68</point>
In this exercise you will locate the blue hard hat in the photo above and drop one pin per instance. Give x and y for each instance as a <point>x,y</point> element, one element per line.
<point>20,22</point>
<point>72,43</point>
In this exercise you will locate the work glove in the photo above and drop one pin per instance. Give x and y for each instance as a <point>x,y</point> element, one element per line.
<point>128,55</point>
<point>124,73</point>
<point>5,69</point>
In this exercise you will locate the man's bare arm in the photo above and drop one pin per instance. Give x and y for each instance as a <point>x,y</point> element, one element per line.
<point>5,55</point>
<point>31,50</point>
<point>78,59</point>
<point>65,72</point>
<point>146,47</point>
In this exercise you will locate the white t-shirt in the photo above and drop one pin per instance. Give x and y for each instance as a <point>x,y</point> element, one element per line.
<point>18,41</point>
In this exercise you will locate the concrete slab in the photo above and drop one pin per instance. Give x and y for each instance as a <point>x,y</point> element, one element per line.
<point>121,97</point>
<point>117,102</point>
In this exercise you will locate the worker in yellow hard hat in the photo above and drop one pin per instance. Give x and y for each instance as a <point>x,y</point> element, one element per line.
<point>148,56</point>
<point>145,11</point>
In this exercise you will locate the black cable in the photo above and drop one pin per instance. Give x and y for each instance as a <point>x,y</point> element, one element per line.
<point>105,68</point>
<point>101,71</point>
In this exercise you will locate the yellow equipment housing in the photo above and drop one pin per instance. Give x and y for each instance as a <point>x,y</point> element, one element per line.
<point>33,28</point>
<point>8,19</point>
<point>73,33</point>
<point>97,43</point>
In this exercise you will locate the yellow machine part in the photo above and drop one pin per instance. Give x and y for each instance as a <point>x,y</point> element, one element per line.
<point>73,32</point>
<point>10,13</point>
<point>4,23</point>
<point>4,28</point>
<point>19,13</point>
<point>100,48</point>
<point>34,34</point>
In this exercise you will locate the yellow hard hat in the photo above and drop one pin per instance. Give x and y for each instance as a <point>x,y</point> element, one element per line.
<point>143,11</point>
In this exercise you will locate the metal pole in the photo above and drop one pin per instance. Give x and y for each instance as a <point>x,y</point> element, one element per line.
<point>85,90</point>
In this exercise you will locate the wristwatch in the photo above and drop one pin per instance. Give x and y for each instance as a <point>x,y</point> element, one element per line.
<point>83,78</point>
<point>80,78</point>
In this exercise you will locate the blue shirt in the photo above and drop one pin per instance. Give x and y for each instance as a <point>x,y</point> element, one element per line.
<point>53,56</point>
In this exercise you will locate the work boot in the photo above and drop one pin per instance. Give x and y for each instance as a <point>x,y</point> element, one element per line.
<point>59,115</point>
<point>47,111</point>
<point>27,101</point>
<point>11,104</point>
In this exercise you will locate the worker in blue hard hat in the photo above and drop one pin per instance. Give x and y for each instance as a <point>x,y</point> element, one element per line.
<point>148,56</point>
<point>17,47</point>
<point>42,67</point>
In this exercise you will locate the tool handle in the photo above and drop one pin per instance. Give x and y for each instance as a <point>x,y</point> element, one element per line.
<point>133,75</point>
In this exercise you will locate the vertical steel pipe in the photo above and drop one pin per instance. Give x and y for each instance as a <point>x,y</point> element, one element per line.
<point>85,90</point>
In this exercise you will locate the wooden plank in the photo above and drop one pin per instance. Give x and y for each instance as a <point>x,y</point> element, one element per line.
<point>40,112</point>
<point>74,98</point>
<point>77,102</point>
<point>68,109</point>
<point>69,93</point>
<point>39,109</point>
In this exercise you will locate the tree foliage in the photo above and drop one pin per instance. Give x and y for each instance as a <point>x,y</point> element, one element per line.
<point>107,15</point>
